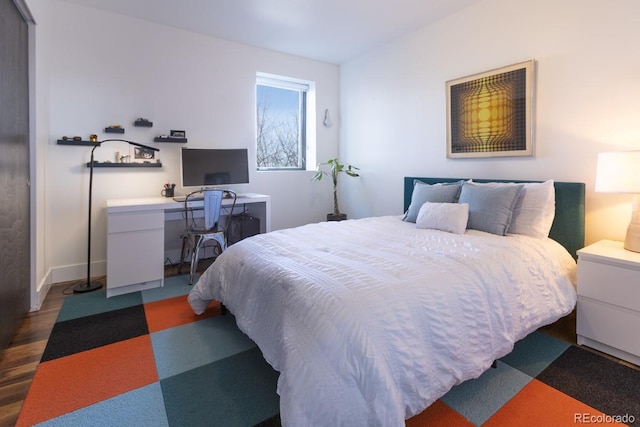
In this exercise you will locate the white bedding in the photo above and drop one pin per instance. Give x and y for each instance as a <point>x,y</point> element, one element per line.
<point>369,321</point>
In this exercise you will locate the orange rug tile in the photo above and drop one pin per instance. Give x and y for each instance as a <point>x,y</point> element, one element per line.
<point>537,404</point>
<point>438,414</point>
<point>114,369</point>
<point>172,312</point>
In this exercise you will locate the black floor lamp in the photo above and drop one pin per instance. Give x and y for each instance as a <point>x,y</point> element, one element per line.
<point>89,286</point>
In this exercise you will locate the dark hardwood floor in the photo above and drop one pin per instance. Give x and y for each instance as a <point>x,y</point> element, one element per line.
<point>18,363</point>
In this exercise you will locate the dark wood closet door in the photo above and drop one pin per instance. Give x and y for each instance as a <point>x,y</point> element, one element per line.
<point>14,171</point>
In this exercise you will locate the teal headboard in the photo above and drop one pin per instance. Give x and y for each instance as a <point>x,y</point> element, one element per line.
<point>568,224</point>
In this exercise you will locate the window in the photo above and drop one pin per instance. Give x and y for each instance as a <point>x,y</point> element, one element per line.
<point>282,132</point>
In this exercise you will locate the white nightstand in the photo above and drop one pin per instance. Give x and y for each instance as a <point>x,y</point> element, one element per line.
<point>608,310</point>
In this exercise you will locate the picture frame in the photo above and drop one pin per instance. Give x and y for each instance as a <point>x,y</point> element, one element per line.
<point>489,114</point>
<point>178,134</point>
<point>143,153</point>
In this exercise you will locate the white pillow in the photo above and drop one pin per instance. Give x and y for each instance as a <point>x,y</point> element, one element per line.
<point>534,210</point>
<point>450,217</point>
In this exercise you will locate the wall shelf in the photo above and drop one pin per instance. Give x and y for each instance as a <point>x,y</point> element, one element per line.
<point>72,142</point>
<point>113,130</point>
<point>124,165</point>
<point>169,139</point>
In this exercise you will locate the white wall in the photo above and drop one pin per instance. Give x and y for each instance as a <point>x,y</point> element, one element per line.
<point>95,69</point>
<point>588,87</point>
<point>104,69</point>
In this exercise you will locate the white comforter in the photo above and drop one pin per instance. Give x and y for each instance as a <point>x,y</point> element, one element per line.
<point>370,321</point>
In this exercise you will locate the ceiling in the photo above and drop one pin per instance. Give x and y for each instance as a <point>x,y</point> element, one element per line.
<point>332,31</point>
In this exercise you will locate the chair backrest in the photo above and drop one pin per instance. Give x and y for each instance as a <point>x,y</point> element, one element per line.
<point>212,200</point>
<point>212,203</point>
<point>230,194</point>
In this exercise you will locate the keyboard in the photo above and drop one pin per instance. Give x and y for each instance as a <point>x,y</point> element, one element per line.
<point>191,199</point>
<point>198,197</point>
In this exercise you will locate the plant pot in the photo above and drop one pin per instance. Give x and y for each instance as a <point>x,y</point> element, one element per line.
<point>332,217</point>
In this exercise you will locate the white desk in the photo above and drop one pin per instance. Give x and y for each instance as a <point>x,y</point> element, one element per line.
<point>135,237</point>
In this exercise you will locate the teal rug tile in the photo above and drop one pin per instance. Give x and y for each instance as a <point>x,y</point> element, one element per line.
<point>477,400</point>
<point>173,287</point>
<point>87,304</point>
<point>141,407</point>
<point>196,344</point>
<point>236,391</point>
<point>535,352</point>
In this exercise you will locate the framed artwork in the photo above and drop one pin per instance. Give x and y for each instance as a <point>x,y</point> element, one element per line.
<point>143,153</point>
<point>489,114</point>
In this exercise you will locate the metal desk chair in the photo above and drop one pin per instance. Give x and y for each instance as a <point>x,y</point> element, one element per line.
<point>194,238</point>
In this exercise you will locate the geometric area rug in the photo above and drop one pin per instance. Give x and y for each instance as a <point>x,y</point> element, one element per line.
<point>144,359</point>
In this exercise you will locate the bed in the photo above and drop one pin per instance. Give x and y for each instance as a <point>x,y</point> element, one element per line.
<point>369,321</point>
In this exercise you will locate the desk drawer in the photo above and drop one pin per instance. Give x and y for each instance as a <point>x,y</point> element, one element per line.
<point>134,221</point>
<point>135,258</point>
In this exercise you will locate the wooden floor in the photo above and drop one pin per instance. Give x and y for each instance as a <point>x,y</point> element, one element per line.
<point>18,363</point>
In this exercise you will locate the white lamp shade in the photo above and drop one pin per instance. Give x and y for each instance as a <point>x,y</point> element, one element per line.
<point>618,172</point>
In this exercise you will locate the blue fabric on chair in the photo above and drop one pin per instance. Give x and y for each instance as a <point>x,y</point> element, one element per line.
<point>212,204</point>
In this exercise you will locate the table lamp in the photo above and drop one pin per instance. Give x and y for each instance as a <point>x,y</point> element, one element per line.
<point>619,172</point>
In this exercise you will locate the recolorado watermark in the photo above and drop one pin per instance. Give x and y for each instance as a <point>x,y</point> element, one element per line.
<point>588,418</point>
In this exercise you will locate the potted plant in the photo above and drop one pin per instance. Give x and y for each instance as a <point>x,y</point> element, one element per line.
<point>335,168</point>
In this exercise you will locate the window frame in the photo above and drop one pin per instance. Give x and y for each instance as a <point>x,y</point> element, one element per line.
<point>306,127</point>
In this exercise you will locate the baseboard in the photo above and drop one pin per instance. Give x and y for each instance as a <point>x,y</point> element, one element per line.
<point>67,273</point>
<point>172,257</point>
<point>41,292</point>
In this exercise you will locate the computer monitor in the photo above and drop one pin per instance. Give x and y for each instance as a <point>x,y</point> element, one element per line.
<point>210,167</point>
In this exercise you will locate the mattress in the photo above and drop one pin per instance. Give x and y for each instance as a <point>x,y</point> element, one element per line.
<point>369,321</point>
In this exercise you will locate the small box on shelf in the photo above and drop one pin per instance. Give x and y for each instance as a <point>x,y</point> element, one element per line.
<point>114,129</point>
<point>143,123</point>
